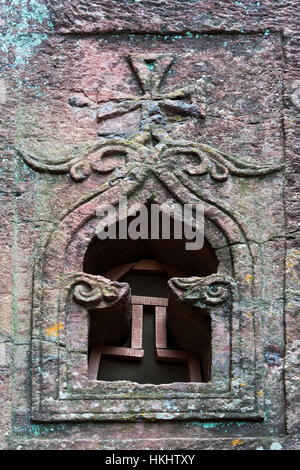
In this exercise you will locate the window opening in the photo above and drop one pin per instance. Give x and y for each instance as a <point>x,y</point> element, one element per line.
<point>151,352</point>
<point>148,355</point>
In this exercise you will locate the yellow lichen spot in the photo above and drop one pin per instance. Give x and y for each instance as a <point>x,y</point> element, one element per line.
<point>237,442</point>
<point>54,330</point>
<point>249,278</point>
<point>291,260</point>
<point>249,314</point>
<point>260,393</point>
<point>290,305</point>
<point>243,384</point>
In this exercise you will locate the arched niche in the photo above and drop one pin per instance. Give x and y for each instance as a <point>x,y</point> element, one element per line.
<point>63,295</point>
<point>103,255</point>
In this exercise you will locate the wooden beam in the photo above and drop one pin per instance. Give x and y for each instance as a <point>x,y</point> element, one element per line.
<point>171,355</point>
<point>155,301</point>
<point>94,362</point>
<point>118,271</point>
<point>99,351</point>
<point>137,327</point>
<point>161,327</point>
<point>121,353</point>
<point>148,265</point>
<point>194,368</point>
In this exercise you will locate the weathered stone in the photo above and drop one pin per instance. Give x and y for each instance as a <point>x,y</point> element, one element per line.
<point>165,102</point>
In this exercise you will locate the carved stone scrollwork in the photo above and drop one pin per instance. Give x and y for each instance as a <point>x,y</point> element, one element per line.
<point>138,155</point>
<point>198,312</point>
<point>150,147</point>
<point>105,158</point>
<point>107,302</point>
<point>207,291</point>
<point>95,291</point>
<point>199,159</point>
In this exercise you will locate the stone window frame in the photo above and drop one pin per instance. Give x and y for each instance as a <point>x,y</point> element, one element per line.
<point>60,387</point>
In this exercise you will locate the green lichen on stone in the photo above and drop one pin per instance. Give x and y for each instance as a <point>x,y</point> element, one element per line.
<point>25,20</point>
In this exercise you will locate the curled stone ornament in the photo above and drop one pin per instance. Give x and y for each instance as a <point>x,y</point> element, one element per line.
<point>211,290</point>
<point>198,159</point>
<point>91,291</point>
<point>138,154</point>
<point>105,159</point>
<point>149,148</point>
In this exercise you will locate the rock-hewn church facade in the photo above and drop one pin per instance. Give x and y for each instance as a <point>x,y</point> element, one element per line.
<point>139,343</point>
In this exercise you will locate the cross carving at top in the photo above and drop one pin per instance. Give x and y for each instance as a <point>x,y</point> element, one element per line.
<point>156,107</point>
<point>150,70</point>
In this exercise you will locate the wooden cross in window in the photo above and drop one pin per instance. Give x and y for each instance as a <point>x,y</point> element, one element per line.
<point>135,352</point>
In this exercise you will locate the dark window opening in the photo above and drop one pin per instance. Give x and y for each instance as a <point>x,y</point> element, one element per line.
<point>147,265</point>
<point>103,255</point>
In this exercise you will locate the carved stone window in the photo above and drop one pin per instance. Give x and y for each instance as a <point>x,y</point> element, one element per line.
<point>214,297</point>
<point>204,305</point>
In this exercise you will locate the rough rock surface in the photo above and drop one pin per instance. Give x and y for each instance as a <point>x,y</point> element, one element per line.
<point>64,65</point>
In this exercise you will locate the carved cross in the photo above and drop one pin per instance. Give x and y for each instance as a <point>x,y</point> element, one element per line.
<point>156,107</point>
<point>148,145</point>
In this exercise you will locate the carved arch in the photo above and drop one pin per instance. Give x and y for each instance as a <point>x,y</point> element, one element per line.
<point>73,234</point>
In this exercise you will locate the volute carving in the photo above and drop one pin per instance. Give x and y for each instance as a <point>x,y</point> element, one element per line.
<point>207,291</point>
<point>94,291</point>
<point>149,149</point>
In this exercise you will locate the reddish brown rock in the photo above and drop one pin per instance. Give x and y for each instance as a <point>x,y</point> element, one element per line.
<point>181,101</point>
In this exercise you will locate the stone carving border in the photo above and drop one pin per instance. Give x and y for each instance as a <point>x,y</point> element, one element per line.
<point>61,390</point>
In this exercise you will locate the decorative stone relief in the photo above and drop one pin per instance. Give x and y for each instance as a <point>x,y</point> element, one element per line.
<point>103,99</point>
<point>226,305</point>
<point>150,71</point>
<point>72,396</point>
<point>211,290</point>
<point>151,149</point>
<point>94,291</point>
